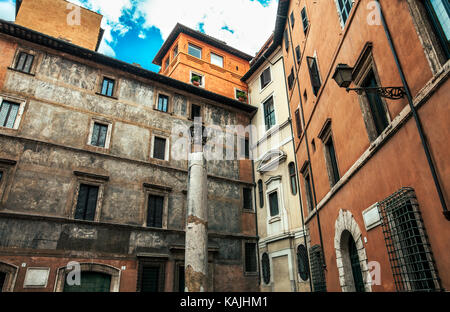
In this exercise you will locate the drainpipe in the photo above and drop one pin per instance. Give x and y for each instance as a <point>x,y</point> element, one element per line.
<point>307,147</point>
<point>416,117</point>
<point>297,176</point>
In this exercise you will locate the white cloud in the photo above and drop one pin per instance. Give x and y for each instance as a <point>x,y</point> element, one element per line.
<point>142,35</point>
<point>8,10</point>
<point>251,22</point>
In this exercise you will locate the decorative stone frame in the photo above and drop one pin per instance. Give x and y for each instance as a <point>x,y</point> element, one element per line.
<point>89,179</point>
<point>157,190</point>
<point>344,226</point>
<point>430,42</point>
<point>116,88</point>
<point>325,135</point>
<point>11,276</point>
<point>244,269</point>
<point>115,274</point>
<point>155,262</point>
<point>7,167</point>
<point>16,100</point>
<point>36,60</point>
<point>364,65</point>
<point>167,147</point>
<point>104,122</point>
<point>169,102</point>
<point>202,85</point>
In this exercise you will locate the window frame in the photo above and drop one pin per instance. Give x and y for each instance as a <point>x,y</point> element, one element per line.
<point>269,70</point>
<point>191,73</point>
<point>191,110</point>
<point>261,193</point>
<point>306,174</point>
<point>326,136</point>
<point>315,64</point>
<point>250,190</point>
<point>152,262</point>
<point>268,127</point>
<point>298,54</point>
<point>17,101</point>
<point>298,122</point>
<point>217,55</point>
<point>36,57</point>
<point>114,88</point>
<point>293,178</point>
<point>305,20</point>
<point>195,47</point>
<point>169,102</point>
<point>244,253</point>
<point>166,147</point>
<point>104,122</point>
<point>341,9</point>
<point>274,191</point>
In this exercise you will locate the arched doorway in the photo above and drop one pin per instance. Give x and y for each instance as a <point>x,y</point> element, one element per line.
<point>90,282</point>
<point>8,274</point>
<point>355,264</point>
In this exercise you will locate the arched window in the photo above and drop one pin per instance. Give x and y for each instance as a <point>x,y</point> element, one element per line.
<point>293,178</point>
<point>261,193</point>
<point>302,262</point>
<point>265,263</point>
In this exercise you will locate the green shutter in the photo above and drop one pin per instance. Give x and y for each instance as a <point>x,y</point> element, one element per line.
<point>91,282</point>
<point>150,279</point>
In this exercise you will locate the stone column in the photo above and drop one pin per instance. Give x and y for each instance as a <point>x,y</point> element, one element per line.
<point>196,257</point>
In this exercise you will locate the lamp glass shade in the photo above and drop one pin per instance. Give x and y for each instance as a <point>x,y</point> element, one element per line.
<point>343,75</point>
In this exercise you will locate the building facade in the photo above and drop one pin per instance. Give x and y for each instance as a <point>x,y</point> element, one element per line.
<point>93,175</point>
<point>280,231</point>
<point>373,163</point>
<point>194,57</point>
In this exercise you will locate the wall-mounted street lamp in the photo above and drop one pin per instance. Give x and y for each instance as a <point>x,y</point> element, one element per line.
<point>198,135</point>
<point>343,75</point>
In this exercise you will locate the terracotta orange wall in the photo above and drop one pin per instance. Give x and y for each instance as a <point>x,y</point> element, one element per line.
<point>217,79</point>
<point>401,161</point>
<point>7,50</point>
<point>50,17</point>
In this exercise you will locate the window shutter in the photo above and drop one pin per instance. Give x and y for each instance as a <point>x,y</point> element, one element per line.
<point>317,274</point>
<point>298,123</point>
<point>298,54</point>
<point>150,279</point>
<point>286,40</point>
<point>81,202</point>
<point>314,74</point>
<point>261,193</point>
<point>155,211</point>
<point>273,202</point>
<point>250,257</point>
<point>305,20</point>
<point>159,148</point>
<point>248,199</point>
<point>91,203</point>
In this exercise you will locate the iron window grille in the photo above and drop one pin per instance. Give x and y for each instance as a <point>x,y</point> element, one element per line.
<point>108,87</point>
<point>302,262</point>
<point>250,258</point>
<point>407,244</point>
<point>305,20</point>
<point>99,134</point>
<point>24,62</point>
<point>261,193</point>
<point>317,269</point>
<point>269,113</point>
<point>314,74</point>
<point>8,114</point>
<point>265,265</point>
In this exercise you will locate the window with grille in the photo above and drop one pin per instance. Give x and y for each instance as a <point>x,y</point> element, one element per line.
<point>439,15</point>
<point>163,103</point>
<point>265,77</point>
<point>108,87</point>
<point>298,123</point>
<point>250,258</point>
<point>273,203</point>
<point>298,54</point>
<point>261,193</point>
<point>305,20</point>
<point>155,211</point>
<point>269,113</point>
<point>248,205</point>
<point>151,277</point>
<point>265,266</point>
<point>302,262</point>
<point>87,202</point>
<point>407,244</point>
<point>8,114</point>
<point>317,270</point>
<point>24,62</point>
<point>344,6</point>
<point>159,148</point>
<point>293,178</point>
<point>314,74</point>
<point>99,134</point>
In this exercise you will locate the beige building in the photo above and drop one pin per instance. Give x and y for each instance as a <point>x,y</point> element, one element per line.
<point>281,238</point>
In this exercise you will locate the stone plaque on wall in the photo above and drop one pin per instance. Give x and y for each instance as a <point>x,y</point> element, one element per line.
<point>36,277</point>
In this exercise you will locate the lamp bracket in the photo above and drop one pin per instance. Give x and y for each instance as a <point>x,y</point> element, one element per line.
<point>393,93</point>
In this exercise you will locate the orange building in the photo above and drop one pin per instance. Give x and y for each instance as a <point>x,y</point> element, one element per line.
<point>61,19</point>
<point>189,55</point>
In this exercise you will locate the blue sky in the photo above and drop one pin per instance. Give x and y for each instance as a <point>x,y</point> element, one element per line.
<point>136,29</point>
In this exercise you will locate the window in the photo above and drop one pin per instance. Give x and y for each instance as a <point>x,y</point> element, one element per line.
<point>99,134</point>
<point>108,87</point>
<point>196,111</point>
<point>216,59</point>
<point>248,203</point>
<point>2,280</point>
<point>286,40</point>
<point>8,114</point>
<point>331,161</point>
<point>194,51</point>
<point>344,6</point>
<point>261,193</point>
<point>314,74</point>
<point>308,190</point>
<point>159,148</point>
<point>269,113</point>
<point>409,250</point>
<point>90,282</point>
<point>265,265</point>
<point>163,103</point>
<point>24,62</point>
<point>250,257</point>
<point>247,148</point>
<point>293,178</point>
<point>273,203</point>
<point>376,106</point>
<point>317,270</point>
<point>175,51</point>
<point>298,123</point>
<point>155,211</point>
<point>197,79</point>
<point>302,262</point>
<point>1,176</point>
<point>298,54</point>
<point>151,276</point>
<point>305,20</point>
<point>439,15</point>
<point>292,19</point>
<point>291,79</point>
<point>87,202</point>
<point>181,275</point>
<point>265,77</point>
<point>166,64</point>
